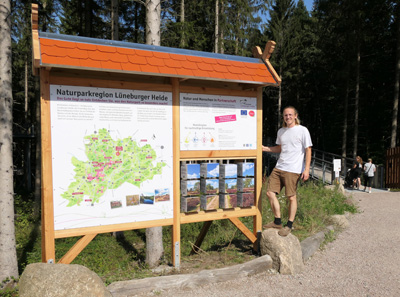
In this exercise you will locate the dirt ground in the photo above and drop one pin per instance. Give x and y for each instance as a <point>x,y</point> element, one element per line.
<point>362,261</point>
<point>233,254</point>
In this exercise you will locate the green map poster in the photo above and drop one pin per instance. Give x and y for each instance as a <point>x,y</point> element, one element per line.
<point>111,156</point>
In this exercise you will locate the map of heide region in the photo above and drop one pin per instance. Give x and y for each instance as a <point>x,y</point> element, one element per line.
<point>110,164</point>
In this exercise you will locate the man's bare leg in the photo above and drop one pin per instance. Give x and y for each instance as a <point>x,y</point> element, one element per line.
<point>292,207</point>
<point>292,214</point>
<point>276,208</point>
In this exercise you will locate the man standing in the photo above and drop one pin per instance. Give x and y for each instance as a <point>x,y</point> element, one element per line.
<point>293,143</point>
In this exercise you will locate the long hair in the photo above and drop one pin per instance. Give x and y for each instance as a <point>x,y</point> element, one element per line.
<point>296,121</point>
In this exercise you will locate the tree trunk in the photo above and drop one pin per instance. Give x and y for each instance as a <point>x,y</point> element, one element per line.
<point>396,83</point>
<point>216,41</point>
<point>344,130</point>
<point>114,36</point>
<point>153,22</point>
<point>114,20</point>
<point>136,35</point>
<point>38,196</point>
<point>154,238</point>
<point>28,143</point>
<point>8,254</point>
<point>182,43</point>
<point>221,45</point>
<point>356,101</point>
<point>279,105</point>
<point>88,16</point>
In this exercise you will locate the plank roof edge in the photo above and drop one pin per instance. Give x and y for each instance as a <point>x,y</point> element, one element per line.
<point>184,77</point>
<point>139,46</point>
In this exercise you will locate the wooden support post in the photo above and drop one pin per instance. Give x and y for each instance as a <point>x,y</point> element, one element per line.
<point>76,249</point>
<point>201,237</point>
<point>48,244</point>
<point>176,226</point>
<point>257,219</point>
<point>244,229</point>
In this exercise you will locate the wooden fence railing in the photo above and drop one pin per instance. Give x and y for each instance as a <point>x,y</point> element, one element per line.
<point>393,168</point>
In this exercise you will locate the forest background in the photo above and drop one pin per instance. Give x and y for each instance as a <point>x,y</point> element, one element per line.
<point>339,63</point>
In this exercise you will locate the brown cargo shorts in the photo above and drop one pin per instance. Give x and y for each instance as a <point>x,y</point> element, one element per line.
<point>279,179</point>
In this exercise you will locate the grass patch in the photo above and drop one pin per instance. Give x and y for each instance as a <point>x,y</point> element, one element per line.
<point>123,259</point>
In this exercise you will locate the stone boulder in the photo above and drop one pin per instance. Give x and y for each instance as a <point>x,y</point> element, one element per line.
<point>285,252</point>
<point>340,221</point>
<point>60,280</point>
<point>311,244</point>
<point>340,188</point>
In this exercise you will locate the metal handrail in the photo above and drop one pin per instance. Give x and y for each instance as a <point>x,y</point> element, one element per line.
<point>322,163</point>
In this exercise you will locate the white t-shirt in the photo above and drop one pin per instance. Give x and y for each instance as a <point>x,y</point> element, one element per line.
<point>293,142</point>
<point>369,168</point>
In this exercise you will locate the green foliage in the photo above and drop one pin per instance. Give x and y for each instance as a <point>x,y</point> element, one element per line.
<point>8,288</point>
<point>315,205</point>
<point>115,259</point>
<point>26,227</point>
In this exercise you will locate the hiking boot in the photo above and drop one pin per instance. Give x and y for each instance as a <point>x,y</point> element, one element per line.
<point>272,225</point>
<point>285,231</point>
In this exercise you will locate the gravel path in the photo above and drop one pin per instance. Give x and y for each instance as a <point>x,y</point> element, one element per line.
<point>364,260</point>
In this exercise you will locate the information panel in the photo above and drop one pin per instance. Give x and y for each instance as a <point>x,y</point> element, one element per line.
<point>112,156</point>
<point>212,122</point>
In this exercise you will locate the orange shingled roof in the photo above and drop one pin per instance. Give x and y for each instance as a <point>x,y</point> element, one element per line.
<point>93,54</point>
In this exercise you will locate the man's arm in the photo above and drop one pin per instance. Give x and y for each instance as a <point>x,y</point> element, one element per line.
<point>272,149</point>
<point>306,173</point>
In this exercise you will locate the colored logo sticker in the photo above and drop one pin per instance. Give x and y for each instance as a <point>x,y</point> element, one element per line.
<point>225,118</point>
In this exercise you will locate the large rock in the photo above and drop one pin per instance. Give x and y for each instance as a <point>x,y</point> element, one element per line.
<point>340,221</point>
<point>311,244</point>
<point>285,251</point>
<point>340,188</point>
<point>60,280</point>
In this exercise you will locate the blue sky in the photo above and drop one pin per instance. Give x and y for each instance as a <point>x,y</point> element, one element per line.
<point>309,4</point>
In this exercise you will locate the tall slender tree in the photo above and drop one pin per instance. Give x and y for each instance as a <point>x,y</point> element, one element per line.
<point>8,254</point>
<point>279,31</point>
<point>82,18</point>
<point>216,34</point>
<point>182,21</point>
<point>393,137</point>
<point>114,20</point>
<point>154,237</point>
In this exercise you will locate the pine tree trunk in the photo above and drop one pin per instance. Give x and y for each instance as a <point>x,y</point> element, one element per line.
<point>216,41</point>
<point>154,238</point>
<point>88,18</point>
<point>38,195</point>
<point>356,101</point>
<point>182,43</point>
<point>8,254</point>
<point>396,83</point>
<point>114,20</point>
<point>28,146</point>
<point>279,105</point>
<point>115,36</point>
<point>344,130</point>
